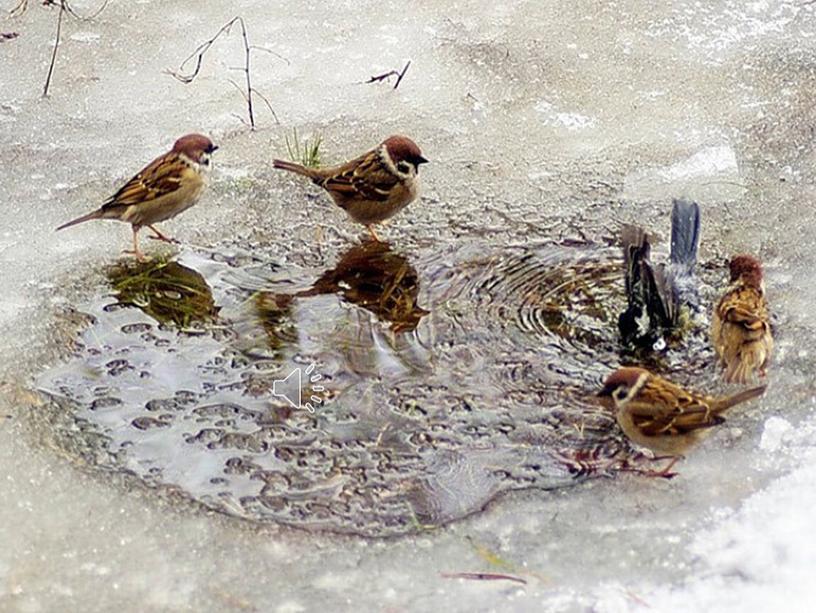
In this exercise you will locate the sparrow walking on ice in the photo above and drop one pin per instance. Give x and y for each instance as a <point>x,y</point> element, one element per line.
<point>373,187</point>
<point>170,184</point>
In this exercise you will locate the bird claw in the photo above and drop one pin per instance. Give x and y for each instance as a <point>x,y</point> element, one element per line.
<point>373,234</point>
<point>665,472</point>
<point>164,239</point>
<point>137,254</point>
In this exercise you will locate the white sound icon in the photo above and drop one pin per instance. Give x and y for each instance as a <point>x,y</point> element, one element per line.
<point>291,388</point>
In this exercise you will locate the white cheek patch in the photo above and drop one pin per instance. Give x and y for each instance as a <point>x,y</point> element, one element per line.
<point>385,158</point>
<point>637,387</point>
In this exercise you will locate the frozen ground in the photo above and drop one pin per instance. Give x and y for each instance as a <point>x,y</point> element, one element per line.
<point>530,111</point>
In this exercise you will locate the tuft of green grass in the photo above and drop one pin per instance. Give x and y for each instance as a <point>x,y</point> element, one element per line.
<point>307,152</point>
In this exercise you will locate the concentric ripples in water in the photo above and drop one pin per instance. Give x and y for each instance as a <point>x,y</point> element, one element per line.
<point>436,385</point>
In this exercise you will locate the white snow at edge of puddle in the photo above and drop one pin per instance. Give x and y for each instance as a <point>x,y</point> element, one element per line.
<point>570,121</point>
<point>708,161</point>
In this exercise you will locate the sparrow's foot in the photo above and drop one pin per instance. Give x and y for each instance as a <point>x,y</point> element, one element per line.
<point>666,472</point>
<point>137,254</point>
<point>373,233</point>
<point>158,236</point>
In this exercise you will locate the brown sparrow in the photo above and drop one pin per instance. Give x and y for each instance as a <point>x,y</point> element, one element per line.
<point>164,188</point>
<point>740,326</point>
<point>373,187</point>
<point>661,416</point>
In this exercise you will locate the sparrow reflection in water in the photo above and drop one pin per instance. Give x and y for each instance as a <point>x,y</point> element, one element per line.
<point>166,290</point>
<point>376,278</point>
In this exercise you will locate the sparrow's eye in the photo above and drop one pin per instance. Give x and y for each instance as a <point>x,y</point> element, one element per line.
<point>620,392</point>
<point>404,167</point>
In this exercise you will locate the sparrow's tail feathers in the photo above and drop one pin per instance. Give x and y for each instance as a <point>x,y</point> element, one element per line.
<point>752,359</point>
<point>685,233</point>
<point>741,397</point>
<point>292,167</point>
<point>97,214</point>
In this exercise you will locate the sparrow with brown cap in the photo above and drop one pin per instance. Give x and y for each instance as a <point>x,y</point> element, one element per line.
<point>662,416</point>
<point>740,325</point>
<point>170,184</point>
<point>374,186</point>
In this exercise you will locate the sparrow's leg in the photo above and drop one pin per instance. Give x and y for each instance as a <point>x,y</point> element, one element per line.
<point>161,237</point>
<point>373,233</point>
<point>136,251</point>
<point>666,472</point>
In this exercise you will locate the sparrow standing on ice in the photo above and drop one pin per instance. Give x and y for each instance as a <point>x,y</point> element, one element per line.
<point>373,187</point>
<point>661,416</point>
<point>170,184</point>
<point>740,326</point>
<point>658,296</point>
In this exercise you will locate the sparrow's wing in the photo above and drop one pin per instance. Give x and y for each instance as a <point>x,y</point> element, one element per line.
<point>670,410</point>
<point>681,423</point>
<point>661,296</point>
<point>162,176</point>
<point>365,177</point>
<point>636,249</point>
<point>635,322</point>
<point>746,308</point>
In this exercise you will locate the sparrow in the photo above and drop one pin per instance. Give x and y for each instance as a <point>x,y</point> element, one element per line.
<point>660,297</point>
<point>661,416</point>
<point>170,184</point>
<point>740,326</point>
<point>373,187</point>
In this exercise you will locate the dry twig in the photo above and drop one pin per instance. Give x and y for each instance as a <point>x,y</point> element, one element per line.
<point>62,11</point>
<point>22,6</point>
<point>247,93</point>
<point>390,73</point>
<point>64,7</point>
<point>484,577</point>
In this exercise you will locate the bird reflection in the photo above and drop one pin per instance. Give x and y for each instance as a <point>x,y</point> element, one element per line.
<point>373,276</point>
<point>165,290</point>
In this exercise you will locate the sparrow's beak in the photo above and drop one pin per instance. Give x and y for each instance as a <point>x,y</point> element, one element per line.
<point>421,160</point>
<point>214,148</point>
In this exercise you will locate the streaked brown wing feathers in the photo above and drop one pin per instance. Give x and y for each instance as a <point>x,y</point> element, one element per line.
<point>159,178</point>
<point>674,412</point>
<point>744,307</point>
<point>365,177</point>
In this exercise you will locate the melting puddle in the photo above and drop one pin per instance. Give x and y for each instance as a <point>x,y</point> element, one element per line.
<point>435,385</point>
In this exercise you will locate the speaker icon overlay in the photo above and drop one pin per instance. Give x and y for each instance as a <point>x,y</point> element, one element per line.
<point>291,388</point>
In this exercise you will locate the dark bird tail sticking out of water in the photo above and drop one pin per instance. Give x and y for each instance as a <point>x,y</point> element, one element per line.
<point>656,294</point>
<point>685,238</point>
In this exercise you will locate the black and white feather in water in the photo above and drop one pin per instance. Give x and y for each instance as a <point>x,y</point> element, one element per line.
<point>658,294</point>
